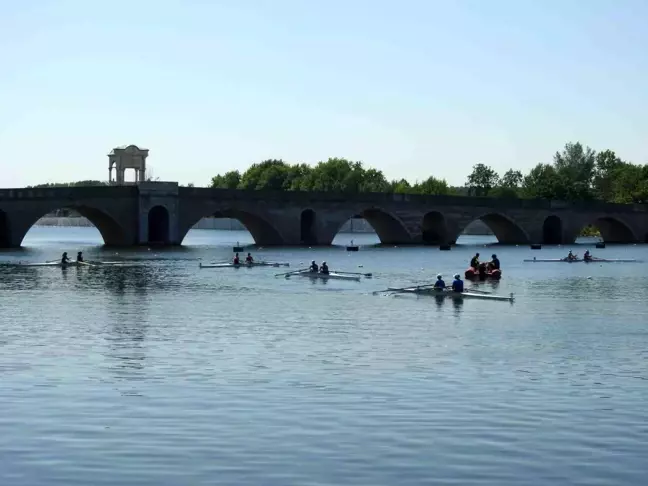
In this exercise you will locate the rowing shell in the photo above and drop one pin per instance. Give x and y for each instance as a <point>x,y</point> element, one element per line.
<point>57,264</point>
<point>234,265</point>
<point>580,260</point>
<point>454,295</point>
<point>325,276</point>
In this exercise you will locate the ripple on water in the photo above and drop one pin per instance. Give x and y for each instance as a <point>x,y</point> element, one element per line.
<point>164,374</point>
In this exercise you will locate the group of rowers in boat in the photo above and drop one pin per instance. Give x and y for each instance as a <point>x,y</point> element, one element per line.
<point>587,256</point>
<point>248,259</point>
<point>65,260</point>
<point>494,264</point>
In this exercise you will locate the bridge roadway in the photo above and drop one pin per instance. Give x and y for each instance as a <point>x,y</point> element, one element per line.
<point>162,213</point>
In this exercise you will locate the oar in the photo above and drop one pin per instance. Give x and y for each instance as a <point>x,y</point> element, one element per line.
<point>403,288</point>
<point>85,263</point>
<point>476,291</point>
<point>291,273</point>
<point>356,273</point>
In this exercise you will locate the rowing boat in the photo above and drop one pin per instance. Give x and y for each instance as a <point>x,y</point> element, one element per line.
<point>325,276</point>
<point>467,294</point>
<point>239,265</point>
<point>57,264</point>
<point>580,260</point>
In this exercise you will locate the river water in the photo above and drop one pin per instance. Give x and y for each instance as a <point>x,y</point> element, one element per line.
<point>165,374</point>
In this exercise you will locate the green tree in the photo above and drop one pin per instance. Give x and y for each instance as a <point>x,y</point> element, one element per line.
<point>432,186</point>
<point>607,166</point>
<point>575,167</point>
<point>542,182</point>
<point>481,180</point>
<point>230,180</point>
<point>269,174</point>
<point>401,187</point>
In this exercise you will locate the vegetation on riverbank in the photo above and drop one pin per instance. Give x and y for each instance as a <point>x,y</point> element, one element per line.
<point>576,174</point>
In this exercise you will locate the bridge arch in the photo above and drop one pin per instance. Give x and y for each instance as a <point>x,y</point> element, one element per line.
<point>434,230</point>
<point>388,227</point>
<point>158,225</point>
<point>262,231</point>
<point>112,233</point>
<point>612,230</point>
<point>308,227</point>
<point>506,230</point>
<point>552,230</point>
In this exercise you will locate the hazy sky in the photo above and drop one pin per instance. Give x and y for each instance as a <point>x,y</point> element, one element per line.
<point>413,87</point>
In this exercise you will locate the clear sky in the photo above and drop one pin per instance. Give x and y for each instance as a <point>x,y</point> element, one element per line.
<point>414,87</point>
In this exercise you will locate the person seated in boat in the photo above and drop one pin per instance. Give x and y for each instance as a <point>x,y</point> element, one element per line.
<point>587,256</point>
<point>474,263</point>
<point>64,258</point>
<point>324,268</point>
<point>313,267</point>
<point>236,259</point>
<point>571,256</point>
<point>249,259</point>
<point>457,284</point>
<point>494,263</point>
<point>80,256</point>
<point>439,284</point>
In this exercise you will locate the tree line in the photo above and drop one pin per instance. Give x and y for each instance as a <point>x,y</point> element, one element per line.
<point>576,173</point>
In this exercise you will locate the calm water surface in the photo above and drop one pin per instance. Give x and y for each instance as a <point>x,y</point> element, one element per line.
<point>164,374</point>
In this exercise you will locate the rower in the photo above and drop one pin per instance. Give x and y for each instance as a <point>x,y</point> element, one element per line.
<point>587,256</point>
<point>571,256</point>
<point>474,263</point>
<point>313,267</point>
<point>80,256</point>
<point>457,284</point>
<point>439,284</point>
<point>324,268</point>
<point>236,259</point>
<point>249,259</point>
<point>64,258</point>
<point>495,263</point>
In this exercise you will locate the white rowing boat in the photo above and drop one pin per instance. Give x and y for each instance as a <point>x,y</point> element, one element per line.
<point>466,294</point>
<point>240,265</point>
<point>580,260</point>
<point>324,276</point>
<point>73,263</point>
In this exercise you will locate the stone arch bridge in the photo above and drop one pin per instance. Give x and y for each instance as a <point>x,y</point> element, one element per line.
<point>162,213</point>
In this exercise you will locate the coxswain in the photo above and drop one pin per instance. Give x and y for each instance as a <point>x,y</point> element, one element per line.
<point>236,259</point>
<point>249,259</point>
<point>495,263</point>
<point>80,256</point>
<point>439,284</point>
<point>313,267</point>
<point>324,268</point>
<point>64,258</point>
<point>587,256</point>
<point>457,284</point>
<point>474,263</point>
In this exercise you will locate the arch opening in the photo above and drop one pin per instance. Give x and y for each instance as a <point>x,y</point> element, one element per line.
<point>552,231</point>
<point>241,226</point>
<point>82,224</point>
<point>610,230</point>
<point>5,237</point>
<point>375,226</point>
<point>434,230</point>
<point>505,230</point>
<point>158,225</point>
<point>308,233</point>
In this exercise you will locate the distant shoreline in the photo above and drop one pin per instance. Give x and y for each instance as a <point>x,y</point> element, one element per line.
<point>227,224</point>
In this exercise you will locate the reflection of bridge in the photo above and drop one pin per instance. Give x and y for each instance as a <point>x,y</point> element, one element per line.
<point>160,212</point>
